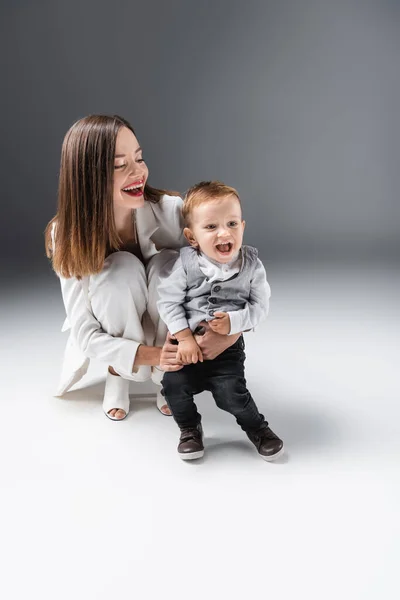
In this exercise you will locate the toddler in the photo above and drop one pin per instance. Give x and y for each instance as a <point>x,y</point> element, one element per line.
<point>215,279</point>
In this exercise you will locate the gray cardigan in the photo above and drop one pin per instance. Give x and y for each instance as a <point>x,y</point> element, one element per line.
<point>186,297</point>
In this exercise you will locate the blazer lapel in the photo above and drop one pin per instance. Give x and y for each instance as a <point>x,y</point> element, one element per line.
<point>146,225</point>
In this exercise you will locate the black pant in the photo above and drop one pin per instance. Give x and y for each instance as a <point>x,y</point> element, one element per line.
<point>224,378</point>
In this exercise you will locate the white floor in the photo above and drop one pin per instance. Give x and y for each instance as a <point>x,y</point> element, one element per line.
<point>92,509</point>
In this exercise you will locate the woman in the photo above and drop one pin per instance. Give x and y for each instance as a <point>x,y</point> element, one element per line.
<point>110,238</point>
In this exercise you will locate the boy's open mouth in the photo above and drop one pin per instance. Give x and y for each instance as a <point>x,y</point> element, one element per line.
<point>135,189</point>
<point>224,248</point>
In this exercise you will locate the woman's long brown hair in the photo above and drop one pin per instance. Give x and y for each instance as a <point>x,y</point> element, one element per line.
<point>84,224</point>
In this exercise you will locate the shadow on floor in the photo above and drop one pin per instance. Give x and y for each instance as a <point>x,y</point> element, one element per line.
<point>302,425</point>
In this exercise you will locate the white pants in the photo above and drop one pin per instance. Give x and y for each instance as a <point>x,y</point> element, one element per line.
<point>123,299</point>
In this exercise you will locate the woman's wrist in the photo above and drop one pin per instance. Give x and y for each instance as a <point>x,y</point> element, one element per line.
<point>147,355</point>
<point>212,344</point>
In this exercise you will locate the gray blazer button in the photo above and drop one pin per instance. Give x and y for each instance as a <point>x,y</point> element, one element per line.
<point>217,288</point>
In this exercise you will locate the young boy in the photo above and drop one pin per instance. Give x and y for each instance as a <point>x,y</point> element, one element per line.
<point>218,280</point>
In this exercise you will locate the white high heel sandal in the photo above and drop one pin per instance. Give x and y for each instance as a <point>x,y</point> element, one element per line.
<point>161,401</point>
<point>116,395</point>
<point>156,377</point>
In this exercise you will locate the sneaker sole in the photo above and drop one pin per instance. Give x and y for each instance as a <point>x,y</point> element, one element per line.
<point>191,455</point>
<point>273,456</point>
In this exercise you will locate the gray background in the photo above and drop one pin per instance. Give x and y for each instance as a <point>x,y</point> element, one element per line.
<point>295,103</point>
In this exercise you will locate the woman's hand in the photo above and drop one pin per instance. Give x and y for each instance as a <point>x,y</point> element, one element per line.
<point>188,351</point>
<point>221,323</point>
<point>168,358</point>
<point>213,344</point>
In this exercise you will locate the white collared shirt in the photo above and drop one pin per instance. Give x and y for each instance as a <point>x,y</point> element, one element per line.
<point>216,271</point>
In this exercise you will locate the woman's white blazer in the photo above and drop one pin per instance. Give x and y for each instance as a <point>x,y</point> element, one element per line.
<point>159,226</point>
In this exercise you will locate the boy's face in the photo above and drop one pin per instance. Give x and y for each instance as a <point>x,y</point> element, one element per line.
<point>216,227</point>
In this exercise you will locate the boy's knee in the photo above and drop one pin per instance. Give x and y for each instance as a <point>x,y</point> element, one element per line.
<point>231,392</point>
<point>228,385</point>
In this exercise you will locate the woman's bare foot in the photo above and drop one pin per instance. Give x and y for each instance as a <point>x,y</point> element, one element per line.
<point>117,413</point>
<point>165,410</point>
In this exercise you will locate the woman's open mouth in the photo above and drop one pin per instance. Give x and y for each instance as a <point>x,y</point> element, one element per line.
<point>135,189</point>
<point>224,248</point>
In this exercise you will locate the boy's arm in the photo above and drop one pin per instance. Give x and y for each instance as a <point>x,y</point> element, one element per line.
<point>257,307</point>
<point>172,293</point>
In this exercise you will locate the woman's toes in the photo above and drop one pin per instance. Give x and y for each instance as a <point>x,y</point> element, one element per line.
<point>117,413</point>
<point>165,410</point>
<point>120,414</point>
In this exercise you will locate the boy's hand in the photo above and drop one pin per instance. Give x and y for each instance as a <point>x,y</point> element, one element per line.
<point>188,351</point>
<point>221,323</point>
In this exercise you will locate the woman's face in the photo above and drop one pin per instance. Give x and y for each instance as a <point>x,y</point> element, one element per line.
<point>130,171</point>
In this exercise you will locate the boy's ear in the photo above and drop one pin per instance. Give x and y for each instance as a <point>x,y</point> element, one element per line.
<point>190,237</point>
